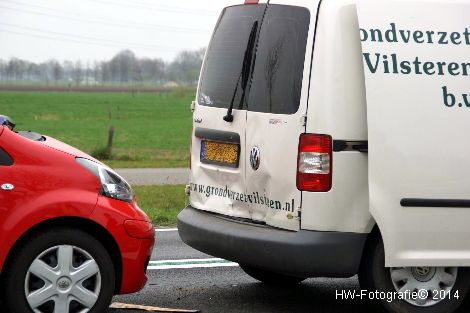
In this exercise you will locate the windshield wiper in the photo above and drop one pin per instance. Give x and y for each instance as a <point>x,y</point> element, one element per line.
<point>245,72</point>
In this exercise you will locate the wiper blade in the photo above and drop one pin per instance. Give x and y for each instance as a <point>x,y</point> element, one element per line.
<point>245,72</point>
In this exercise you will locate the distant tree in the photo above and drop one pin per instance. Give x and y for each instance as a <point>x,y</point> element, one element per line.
<point>33,72</point>
<point>97,73</point>
<point>123,67</point>
<point>16,69</point>
<point>68,68</point>
<point>88,73</point>
<point>153,70</point>
<point>57,72</point>
<point>3,67</point>
<point>78,72</point>
<point>137,74</point>
<point>105,72</point>
<point>43,73</point>
<point>186,66</point>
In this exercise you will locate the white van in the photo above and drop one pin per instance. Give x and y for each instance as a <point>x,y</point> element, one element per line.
<point>331,138</point>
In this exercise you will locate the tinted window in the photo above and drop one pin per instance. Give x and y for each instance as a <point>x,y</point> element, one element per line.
<point>223,64</point>
<point>5,158</point>
<point>278,70</point>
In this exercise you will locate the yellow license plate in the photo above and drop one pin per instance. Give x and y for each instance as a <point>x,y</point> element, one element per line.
<point>219,153</point>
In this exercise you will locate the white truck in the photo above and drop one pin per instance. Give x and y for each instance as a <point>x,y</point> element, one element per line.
<point>330,138</point>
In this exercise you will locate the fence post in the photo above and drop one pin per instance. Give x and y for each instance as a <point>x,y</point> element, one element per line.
<point>109,147</point>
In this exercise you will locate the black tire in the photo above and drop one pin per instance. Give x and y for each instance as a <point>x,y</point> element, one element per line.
<point>374,276</point>
<point>271,278</point>
<point>23,256</point>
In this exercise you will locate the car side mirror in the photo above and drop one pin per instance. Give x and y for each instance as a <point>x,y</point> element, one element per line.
<point>6,121</point>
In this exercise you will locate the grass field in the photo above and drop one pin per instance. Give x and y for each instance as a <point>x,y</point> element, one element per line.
<point>161,203</point>
<point>151,129</point>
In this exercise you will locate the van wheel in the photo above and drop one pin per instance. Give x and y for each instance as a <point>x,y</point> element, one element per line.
<point>425,289</point>
<point>271,278</point>
<point>59,271</point>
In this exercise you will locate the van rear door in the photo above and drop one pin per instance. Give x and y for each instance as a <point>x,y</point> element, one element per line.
<point>267,115</point>
<point>277,104</point>
<point>218,159</point>
<point>417,68</point>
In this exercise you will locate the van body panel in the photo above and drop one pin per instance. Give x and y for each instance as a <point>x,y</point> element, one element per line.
<point>337,104</point>
<point>345,207</point>
<point>418,90</point>
<point>337,107</point>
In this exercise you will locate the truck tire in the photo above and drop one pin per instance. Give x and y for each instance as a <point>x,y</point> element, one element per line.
<point>437,289</point>
<point>271,278</point>
<point>61,270</point>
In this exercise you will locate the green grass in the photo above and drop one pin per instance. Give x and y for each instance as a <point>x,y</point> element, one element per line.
<point>151,129</point>
<point>161,203</point>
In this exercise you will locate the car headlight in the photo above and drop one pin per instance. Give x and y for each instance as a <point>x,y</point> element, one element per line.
<point>112,185</point>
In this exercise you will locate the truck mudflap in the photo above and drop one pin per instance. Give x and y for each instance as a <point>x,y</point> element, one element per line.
<point>297,253</point>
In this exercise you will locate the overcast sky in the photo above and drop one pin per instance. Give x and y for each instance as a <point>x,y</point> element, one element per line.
<point>38,30</point>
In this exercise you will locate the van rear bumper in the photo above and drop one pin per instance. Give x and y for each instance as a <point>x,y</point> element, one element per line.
<point>298,253</point>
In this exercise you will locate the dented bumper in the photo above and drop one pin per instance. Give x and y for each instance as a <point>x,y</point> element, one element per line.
<point>298,253</point>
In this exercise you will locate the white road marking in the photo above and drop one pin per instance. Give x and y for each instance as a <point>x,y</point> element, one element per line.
<point>189,263</point>
<point>165,229</point>
<point>208,260</point>
<point>168,267</point>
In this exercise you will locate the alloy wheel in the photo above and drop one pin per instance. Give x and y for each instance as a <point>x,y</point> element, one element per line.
<point>63,279</point>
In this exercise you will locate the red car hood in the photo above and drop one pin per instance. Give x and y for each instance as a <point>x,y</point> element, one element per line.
<point>61,146</point>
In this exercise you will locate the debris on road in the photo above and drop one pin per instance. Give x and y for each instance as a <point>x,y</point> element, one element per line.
<point>118,305</point>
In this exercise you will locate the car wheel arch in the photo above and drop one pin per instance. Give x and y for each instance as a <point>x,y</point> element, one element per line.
<point>89,226</point>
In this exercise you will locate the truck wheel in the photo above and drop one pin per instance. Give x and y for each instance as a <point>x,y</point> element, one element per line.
<point>423,289</point>
<point>59,271</point>
<point>271,278</point>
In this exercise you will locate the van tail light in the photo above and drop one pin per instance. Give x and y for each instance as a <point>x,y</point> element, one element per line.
<point>314,163</point>
<point>251,1</point>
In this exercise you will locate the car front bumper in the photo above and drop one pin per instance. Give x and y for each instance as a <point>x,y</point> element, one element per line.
<point>135,243</point>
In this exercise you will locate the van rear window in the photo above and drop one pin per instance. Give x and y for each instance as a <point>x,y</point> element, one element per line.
<point>224,59</point>
<point>278,71</point>
<point>278,64</point>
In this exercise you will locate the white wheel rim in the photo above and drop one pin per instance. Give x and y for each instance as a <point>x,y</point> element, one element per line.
<point>63,279</point>
<point>431,284</point>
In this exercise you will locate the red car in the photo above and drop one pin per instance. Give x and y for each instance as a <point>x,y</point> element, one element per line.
<point>71,233</point>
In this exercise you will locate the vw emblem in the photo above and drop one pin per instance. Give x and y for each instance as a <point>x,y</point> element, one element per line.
<point>423,271</point>
<point>255,158</point>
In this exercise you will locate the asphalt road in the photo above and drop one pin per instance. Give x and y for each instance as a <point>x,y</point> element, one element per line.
<point>229,289</point>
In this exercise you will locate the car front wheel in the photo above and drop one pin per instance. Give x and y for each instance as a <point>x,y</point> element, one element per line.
<point>59,271</point>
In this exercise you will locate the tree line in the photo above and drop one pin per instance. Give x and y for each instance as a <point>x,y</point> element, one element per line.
<point>123,69</point>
